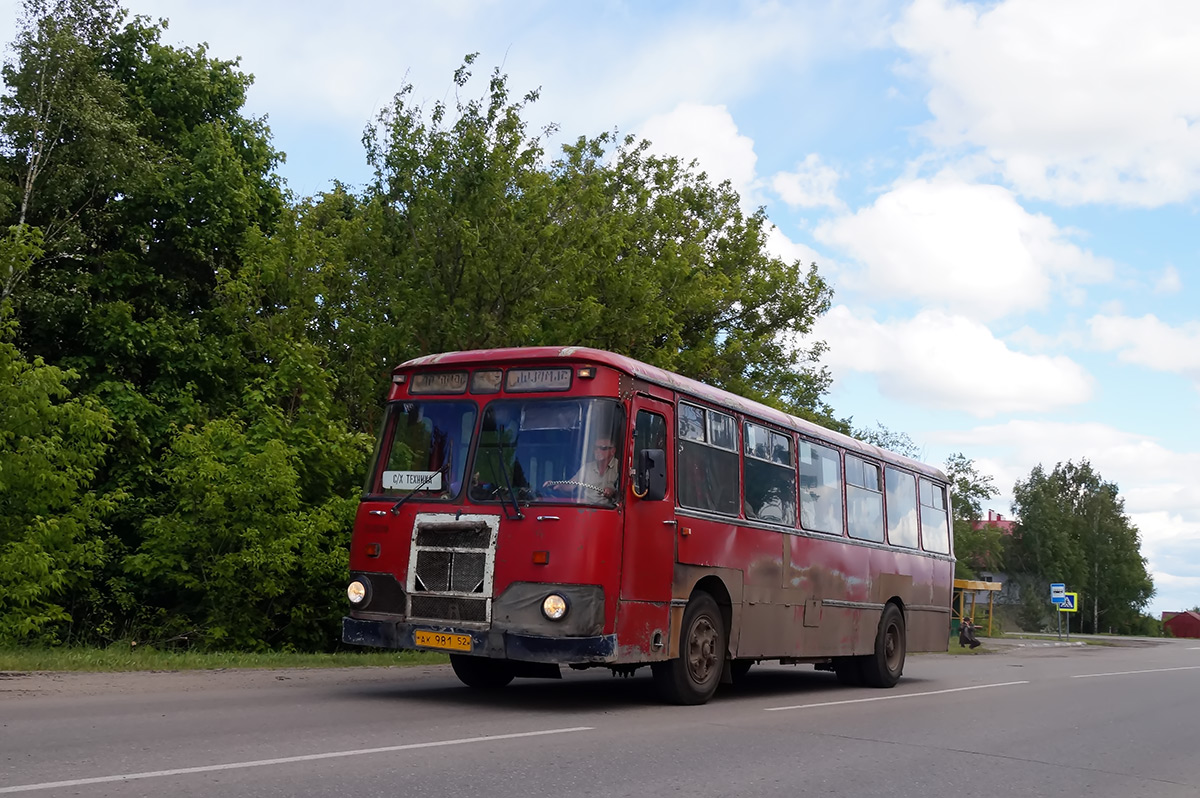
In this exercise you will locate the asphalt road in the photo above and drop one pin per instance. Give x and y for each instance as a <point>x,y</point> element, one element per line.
<point>1032,719</point>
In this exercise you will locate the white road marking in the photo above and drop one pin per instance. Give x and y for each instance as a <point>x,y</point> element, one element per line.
<point>49,785</point>
<point>1127,673</point>
<point>894,697</point>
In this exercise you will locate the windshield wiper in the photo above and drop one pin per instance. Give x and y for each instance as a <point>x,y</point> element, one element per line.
<point>413,492</point>
<point>507,482</point>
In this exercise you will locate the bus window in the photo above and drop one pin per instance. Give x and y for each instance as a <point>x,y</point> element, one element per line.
<point>864,500</point>
<point>770,476</point>
<point>549,450</point>
<point>649,432</point>
<point>820,489</point>
<point>935,524</point>
<point>901,507</point>
<point>423,447</point>
<point>707,472</point>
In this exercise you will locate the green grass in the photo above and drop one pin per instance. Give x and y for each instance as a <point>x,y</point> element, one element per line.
<point>122,658</point>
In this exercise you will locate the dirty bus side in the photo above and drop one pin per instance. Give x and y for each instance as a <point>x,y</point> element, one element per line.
<point>533,508</point>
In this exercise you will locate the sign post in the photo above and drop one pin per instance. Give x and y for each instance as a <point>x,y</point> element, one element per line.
<point>1058,594</point>
<point>1070,603</point>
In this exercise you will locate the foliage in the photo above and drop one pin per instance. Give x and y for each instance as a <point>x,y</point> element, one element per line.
<point>884,438</point>
<point>50,446</point>
<point>977,549</point>
<point>1073,529</point>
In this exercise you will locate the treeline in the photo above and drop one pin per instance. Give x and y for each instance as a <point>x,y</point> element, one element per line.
<point>1072,528</point>
<point>192,360</point>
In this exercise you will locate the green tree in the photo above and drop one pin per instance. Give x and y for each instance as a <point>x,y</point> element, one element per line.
<point>469,239</point>
<point>977,548</point>
<point>1073,529</point>
<point>884,438</point>
<point>50,446</point>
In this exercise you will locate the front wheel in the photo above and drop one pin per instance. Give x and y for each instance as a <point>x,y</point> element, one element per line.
<point>692,678</point>
<point>481,673</point>
<point>883,667</point>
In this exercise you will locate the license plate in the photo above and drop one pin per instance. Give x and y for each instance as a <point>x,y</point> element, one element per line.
<point>449,642</point>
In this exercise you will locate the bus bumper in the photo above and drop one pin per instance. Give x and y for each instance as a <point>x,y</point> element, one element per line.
<point>496,644</point>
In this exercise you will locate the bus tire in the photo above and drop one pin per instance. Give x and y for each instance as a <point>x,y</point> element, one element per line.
<point>883,667</point>
<point>481,673</point>
<point>693,676</point>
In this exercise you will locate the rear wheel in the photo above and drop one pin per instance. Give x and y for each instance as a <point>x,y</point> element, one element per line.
<point>480,672</point>
<point>883,667</point>
<point>692,678</point>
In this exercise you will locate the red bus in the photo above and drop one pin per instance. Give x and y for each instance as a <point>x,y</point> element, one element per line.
<point>532,508</point>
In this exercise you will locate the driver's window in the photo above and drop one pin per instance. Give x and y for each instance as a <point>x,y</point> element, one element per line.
<point>649,432</point>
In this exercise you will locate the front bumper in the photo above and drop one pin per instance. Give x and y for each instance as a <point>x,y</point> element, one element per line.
<point>496,644</point>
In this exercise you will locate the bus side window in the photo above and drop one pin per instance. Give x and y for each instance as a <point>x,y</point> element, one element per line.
<point>935,523</point>
<point>820,488</point>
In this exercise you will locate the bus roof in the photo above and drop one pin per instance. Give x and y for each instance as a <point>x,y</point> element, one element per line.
<point>667,379</point>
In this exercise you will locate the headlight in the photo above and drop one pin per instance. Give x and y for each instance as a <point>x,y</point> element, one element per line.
<point>554,607</point>
<point>358,591</point>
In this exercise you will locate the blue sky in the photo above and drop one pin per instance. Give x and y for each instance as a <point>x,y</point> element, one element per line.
<point>1003,195</point>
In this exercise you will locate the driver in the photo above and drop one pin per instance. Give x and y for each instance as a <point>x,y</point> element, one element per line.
<point>600,472</point>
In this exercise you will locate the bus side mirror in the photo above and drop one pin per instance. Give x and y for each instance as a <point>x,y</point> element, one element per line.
<point>652,474</point>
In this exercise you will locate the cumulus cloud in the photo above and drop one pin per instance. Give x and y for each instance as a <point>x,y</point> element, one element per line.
<point>1169,281</point>
<point>709,135</point>
<point>784,248</point>
<point>952,362</point>
<point>969,248</point>
<point>1150,342</point>
<point>812,185</point>
<point>1078,101</point>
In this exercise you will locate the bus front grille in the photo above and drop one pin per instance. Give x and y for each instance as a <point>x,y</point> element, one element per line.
<point>450,568</point>
<point>449,608</point>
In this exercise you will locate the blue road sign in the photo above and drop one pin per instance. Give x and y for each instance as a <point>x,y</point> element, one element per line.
<point>1068,602</point>
<point>1058,592</point>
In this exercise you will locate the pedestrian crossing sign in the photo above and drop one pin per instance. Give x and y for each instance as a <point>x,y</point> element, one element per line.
<point>1070,603</point>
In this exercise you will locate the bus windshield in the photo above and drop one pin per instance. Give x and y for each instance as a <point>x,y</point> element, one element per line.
<point>550,450</point>
<point>423,447</point>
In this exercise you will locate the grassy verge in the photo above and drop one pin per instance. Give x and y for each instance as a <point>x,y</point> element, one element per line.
<point>121,658</point>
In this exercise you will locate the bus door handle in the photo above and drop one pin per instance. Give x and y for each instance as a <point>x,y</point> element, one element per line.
<point>376,512</point>
<point>671,523</point>
<point>547,518</point>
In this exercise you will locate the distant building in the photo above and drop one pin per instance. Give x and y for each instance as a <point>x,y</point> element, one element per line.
<point>1005,525</point>
<point>1182,624</point>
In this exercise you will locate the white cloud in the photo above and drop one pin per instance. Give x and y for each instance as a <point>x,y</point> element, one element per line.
<point>1076,100</point>
<point>812,185</point>
<point>709,135</point>
<point>789,251</point>
<point>1150,342</point>
<point>952,362</point>
<point>1169,282</point>
<point>969,248</point>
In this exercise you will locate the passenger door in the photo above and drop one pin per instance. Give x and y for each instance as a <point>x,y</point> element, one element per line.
<point>648,557</point>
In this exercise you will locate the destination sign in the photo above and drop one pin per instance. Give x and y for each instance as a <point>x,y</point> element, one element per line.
<point>528,380</point>
<point>439,382</point>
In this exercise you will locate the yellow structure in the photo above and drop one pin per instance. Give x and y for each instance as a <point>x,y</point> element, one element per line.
<point>959,607</point>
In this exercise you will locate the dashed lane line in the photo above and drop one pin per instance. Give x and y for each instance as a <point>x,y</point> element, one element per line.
<point>1129,673</point>
<point>894,697</point>
<point>286,760</point>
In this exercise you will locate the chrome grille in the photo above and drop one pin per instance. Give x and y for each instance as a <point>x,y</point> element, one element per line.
<point>450,571</point>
